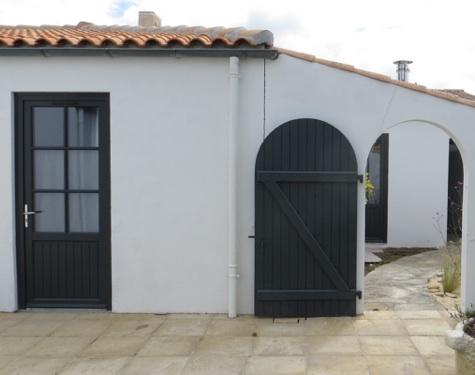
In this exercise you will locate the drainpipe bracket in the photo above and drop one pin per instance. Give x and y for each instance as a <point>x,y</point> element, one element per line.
<point>232,272</point>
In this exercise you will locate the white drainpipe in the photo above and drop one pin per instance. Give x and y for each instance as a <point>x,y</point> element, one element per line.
<point>232,171</point>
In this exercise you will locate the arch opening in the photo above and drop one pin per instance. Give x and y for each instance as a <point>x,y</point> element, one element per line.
<point>423,183</point>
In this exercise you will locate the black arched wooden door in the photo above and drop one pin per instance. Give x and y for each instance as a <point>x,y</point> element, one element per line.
<point>305,207</point>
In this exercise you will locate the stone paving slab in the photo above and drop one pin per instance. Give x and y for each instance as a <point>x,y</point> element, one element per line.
<point>379,342</point>
<point>371,256</point>
<point>401,285</point>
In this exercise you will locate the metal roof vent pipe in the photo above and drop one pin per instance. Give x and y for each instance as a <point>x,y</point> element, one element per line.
<point>149,19</point>
<point>403,69</point>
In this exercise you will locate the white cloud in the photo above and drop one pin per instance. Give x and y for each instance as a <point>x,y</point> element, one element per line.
<point>436,34</point>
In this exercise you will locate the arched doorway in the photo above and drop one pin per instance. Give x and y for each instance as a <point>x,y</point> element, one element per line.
<point>306,222</point>
<point>417,246</point>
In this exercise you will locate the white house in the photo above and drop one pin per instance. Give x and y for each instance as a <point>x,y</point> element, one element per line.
<point>160,169</point>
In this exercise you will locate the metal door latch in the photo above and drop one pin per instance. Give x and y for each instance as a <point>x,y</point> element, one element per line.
<point>26,214</point>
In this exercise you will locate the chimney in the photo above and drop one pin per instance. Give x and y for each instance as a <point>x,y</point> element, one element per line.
<point>149,19</point>
<point>403,69</point>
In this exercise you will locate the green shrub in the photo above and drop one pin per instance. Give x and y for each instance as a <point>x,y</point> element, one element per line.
<point>368,187</point>
<point>470,313</point>
<point>451,273</point>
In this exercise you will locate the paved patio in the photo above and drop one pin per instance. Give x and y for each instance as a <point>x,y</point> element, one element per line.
<point>380,342</point>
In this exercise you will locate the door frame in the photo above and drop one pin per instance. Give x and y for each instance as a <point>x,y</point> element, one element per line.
<point>60,98</point>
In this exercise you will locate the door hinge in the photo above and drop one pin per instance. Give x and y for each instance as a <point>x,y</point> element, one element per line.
<point>359,294</point>
<point>360,178</point>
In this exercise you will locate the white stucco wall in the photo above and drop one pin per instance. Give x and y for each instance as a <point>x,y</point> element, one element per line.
<point>169,186</point>
<point>417,186</point>
<point>168,175</point>
<point>169,162</point>
<point>8,289</point>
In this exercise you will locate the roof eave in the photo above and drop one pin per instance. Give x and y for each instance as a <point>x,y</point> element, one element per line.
<point>266,53</point>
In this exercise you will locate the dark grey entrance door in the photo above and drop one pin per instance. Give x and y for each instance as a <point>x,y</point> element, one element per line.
<point>455,193</point>
<point>63,205</point>
<point>377,203</point>
<point>305,207</point>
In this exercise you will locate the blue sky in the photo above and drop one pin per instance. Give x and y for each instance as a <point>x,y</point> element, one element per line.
<point>370,34</point>
<point>119,7</point>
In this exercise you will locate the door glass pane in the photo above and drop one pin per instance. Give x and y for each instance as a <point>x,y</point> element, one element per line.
<point>48,126</point>
<point>84,212</point>
<point>374,172</point>
<point>83,127</point>
<point>84,169</point>
<point>51,219</point>
<point>49,169</point>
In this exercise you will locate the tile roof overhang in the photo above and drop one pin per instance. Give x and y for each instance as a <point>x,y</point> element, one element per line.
<point>90,38</point>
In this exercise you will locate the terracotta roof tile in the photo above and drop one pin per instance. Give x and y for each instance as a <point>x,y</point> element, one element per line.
<point>461,93</point>
<point>123,36</point>
<point>452,95</point>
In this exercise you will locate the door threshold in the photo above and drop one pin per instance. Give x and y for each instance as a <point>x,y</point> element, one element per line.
<point>62,309</point>
<point>376,245</point>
